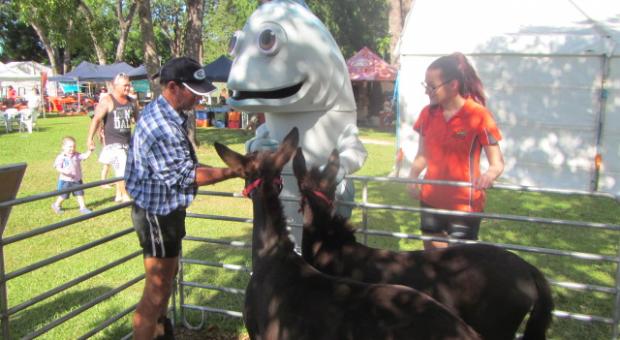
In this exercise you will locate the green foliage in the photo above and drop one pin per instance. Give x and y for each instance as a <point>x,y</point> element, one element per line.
<point>222,19</point>
<point>355,24</point>
<point>51,15</point>
<point>105,27</point>
<point>18,41</point>
<point>134,53</point>
<point>39,149</point>
<point>169,18</point>
<point>70,32</point>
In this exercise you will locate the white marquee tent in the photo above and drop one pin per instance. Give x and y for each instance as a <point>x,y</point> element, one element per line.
<point>551,70</point>
<point>22,75</point>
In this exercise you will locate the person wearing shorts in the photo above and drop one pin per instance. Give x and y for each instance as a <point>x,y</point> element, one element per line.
<point>114,114</point>
<point>460,227</point>
<point>68,164</point>
<point>162,177</point>
<point>454,128</point>
<point>115,155</point>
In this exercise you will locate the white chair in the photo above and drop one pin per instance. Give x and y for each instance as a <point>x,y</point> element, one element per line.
<point>27,120</point>
<point>12,117</point>
<point>4,121</point>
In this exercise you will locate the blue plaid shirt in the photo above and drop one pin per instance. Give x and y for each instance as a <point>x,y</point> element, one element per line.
<point>161,164</point>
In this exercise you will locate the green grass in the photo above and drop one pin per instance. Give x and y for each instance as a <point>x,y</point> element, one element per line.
<point>39,149</point>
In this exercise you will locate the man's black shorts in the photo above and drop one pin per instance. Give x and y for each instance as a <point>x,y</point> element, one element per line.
<point>159,236</point>
<point>460,227</point>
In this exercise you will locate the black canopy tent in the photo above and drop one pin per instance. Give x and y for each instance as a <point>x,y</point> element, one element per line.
<point>89,72</point>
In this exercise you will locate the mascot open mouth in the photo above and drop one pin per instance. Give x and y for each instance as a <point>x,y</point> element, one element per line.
<point>276,94</point>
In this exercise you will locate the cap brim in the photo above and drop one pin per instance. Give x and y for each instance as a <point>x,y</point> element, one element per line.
<point>201,89</point>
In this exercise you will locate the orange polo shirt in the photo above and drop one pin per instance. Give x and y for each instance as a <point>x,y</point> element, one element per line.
<point>452,151</point>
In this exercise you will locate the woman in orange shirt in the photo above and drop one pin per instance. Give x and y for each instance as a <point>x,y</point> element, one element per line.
<point>454,128</point>
<point>11,96</point>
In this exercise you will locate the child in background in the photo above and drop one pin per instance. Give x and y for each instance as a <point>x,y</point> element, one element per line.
<point>68,164</point>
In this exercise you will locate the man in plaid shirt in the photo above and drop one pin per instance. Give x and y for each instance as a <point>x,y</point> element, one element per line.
<point>162,176</point>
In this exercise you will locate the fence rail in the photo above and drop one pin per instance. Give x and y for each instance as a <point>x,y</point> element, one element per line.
<point>365,206</point>
<point>186,287</point>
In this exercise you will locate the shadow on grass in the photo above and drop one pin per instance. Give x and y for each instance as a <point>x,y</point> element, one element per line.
<point>225,136</point>
<point>560,268</point>
<point>36,317</point>
<point>216,326</point>
<point>567,238</point>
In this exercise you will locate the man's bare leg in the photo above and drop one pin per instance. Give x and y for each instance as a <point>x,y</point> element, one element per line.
<point>157,289</point>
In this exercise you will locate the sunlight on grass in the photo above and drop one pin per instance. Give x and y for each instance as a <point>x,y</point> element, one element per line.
<point>40,148</point>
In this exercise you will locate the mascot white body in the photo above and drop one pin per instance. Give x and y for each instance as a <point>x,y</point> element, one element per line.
<point>287,65</point>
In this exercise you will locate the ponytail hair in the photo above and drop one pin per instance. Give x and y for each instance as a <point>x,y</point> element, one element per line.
<point>456,67</point>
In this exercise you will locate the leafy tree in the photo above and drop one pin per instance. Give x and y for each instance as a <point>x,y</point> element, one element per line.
<point>222,19</point>
<point>18,41</point>
<point>124,23</point>
<point>95,30</point>
<point>170,17</point>
<point>49,20</point>
<point>355,23</point>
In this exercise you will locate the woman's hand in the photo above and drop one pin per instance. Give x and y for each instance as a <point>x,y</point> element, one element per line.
<point>496,167</point>
<point>484,182</point>
<point>414,190</point>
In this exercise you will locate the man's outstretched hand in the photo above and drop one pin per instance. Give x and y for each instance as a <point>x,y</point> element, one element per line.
<point>206,175</point>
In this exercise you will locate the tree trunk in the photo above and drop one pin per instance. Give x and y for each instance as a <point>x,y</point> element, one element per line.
<point>90,23</point>
<point>51,53</point>
<point>66,56</point>
<point>172,32</point>
<point>151,60</point>
<point>397,16</point>
<point>124,24</point>
<point>193,49</point>
<point>193,31</point>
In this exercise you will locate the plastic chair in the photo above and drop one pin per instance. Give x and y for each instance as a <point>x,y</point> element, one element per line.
<point>4,121</point>
<point>28,120</point>
<point>12,117</point>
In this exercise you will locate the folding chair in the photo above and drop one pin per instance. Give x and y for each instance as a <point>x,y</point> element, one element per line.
<point>4,121</point>
<point>28,120</point>
<point>12,117</point>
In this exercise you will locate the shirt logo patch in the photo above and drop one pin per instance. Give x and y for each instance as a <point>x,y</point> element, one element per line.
<point>460,134</point>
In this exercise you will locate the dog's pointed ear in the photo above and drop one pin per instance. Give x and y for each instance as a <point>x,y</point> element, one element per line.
<point>331,168</point>
<point>233,159</point>
<point>299,165</point>
<point>287,148</point>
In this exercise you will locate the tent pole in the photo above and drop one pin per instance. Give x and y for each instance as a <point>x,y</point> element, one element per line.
<point>399,154</point>
<point>79,96</point>
<point>600,120</point>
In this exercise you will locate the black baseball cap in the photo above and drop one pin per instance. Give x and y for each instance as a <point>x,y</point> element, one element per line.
<point>188,72</point>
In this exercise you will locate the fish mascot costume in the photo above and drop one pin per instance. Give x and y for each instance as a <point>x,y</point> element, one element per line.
<point>287,65</point>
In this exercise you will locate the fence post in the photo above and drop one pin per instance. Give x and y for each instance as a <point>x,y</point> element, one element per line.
<point>4,306</point>
<point>616,324</point>
<point>365,211</point>
<point>10,180</point>
<point>181,289</point>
